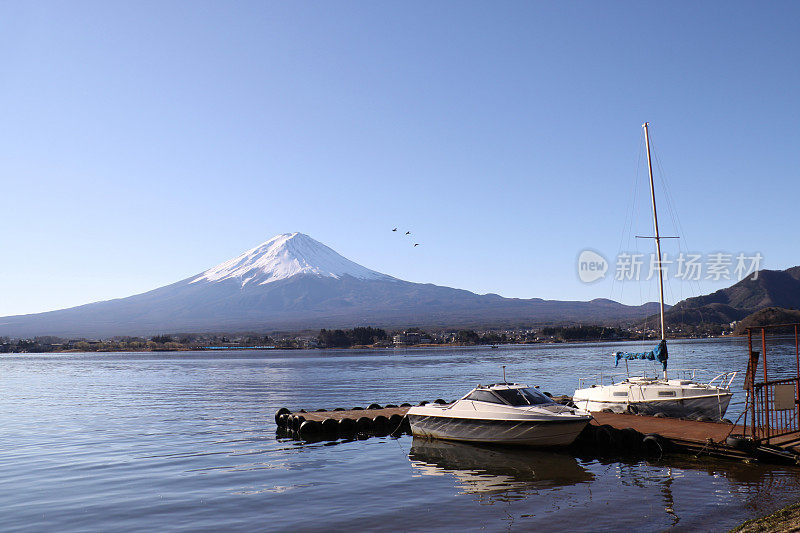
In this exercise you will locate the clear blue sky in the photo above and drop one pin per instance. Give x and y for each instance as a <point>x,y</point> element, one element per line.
<point>143,142</point>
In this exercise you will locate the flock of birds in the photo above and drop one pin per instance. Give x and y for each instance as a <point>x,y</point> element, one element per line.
<point>408,233</point>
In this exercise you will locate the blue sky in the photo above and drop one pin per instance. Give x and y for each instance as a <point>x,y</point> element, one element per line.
<point>145,142</point>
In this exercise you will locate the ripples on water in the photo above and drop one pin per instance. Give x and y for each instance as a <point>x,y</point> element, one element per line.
<point>186,442</point>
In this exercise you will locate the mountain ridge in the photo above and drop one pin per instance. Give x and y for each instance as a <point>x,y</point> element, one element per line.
<point>293,282</point>
<point>770,289</point>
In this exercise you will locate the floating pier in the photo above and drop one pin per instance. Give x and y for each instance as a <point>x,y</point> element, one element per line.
<point>607,434</point>
<point>773,406</point>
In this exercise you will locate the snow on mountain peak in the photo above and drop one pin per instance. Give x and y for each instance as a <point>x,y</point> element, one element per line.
<point>284,256</point>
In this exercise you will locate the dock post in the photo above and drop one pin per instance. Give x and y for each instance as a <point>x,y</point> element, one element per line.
<point>797,358</point>
<point>765,389</point>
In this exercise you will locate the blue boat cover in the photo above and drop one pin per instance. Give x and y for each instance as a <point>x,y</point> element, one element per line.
<point>659,353</point>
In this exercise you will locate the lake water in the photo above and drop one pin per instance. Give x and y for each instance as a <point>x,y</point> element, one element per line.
<point>187,442</point>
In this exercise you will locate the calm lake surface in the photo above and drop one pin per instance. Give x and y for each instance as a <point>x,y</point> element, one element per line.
<point>187,442</point>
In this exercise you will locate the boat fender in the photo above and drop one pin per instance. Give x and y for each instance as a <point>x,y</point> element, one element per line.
<point>439,401</point>
<point>281,411</point>
<point>330,427</point>
<point>364,424</point>
<point>653,445</point>
<point>309,428</point>
<point>347,426</point>
<point>374,406</point>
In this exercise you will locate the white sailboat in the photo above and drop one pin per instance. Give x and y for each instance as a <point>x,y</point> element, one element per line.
<point>680,397</point>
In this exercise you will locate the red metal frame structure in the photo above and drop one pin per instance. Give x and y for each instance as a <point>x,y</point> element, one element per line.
<point>769,412</point>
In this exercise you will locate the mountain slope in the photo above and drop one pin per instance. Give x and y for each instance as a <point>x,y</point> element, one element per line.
<point>295,282</point>
<point>772,288</point>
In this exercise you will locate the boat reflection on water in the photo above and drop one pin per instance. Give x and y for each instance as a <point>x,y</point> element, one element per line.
<point>486,469</point>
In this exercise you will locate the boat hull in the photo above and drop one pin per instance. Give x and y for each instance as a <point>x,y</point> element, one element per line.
<point>539,433</point>
<point>713,407</point>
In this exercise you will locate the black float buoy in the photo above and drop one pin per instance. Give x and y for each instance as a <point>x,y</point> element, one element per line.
<point>631,440</point>
<point>283,420</point>
<point>281,411</point>
<point>380,425</point>
<point>405,405</point>
<point>439,401</point>
<point>606,438</point>
<point>424,402</point>
<point>374,406</point>
<point>347,426</point>
<point>330,427</point>
<point>390,406</point>
<point>364,424</point>
<point>357,408</point>
<point>297,421</point>
<point>309,428</point>
<point>340,409</point>
<point>396,425</point>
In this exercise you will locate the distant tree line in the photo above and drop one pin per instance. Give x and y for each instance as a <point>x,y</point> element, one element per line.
<point>585,333</point>
<point>344,338</point>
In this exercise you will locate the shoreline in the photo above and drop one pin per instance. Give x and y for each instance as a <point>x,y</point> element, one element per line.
<point>359,347</point>
<point>781,521</point>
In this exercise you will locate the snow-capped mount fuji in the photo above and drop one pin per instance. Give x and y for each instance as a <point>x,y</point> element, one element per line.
<point>284,256</point>
<point>293,282</point>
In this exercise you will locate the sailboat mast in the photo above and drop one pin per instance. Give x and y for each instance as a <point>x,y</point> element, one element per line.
<point>655,224</point>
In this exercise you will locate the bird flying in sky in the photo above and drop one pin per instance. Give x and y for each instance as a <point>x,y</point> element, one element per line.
<point>416,244</point>
<point>408,233</point>
<point>395,229</point>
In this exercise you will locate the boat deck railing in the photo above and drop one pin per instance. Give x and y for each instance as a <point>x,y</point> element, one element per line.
<point>721,380</point>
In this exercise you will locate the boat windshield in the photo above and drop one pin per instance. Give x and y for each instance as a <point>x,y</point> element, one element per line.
<point>523,397</point>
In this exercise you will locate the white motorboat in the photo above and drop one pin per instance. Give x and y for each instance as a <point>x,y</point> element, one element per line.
<point>503,413</point>
<point>680,397</point>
